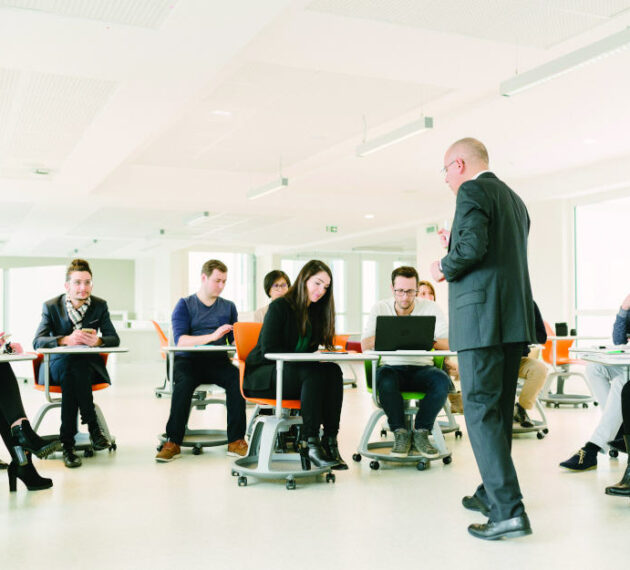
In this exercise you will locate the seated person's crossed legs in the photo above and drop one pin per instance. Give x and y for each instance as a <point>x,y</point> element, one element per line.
<point>601,376</point>
<point>188,374</point>
<point>390,382</point>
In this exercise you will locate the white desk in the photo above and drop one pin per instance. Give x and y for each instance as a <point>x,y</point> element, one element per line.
<point>338,357</point>
<point>204,348</point>
<point>5,357</point>
<point>609,356</point>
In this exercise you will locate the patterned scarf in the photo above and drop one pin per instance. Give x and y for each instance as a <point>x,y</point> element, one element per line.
<point>76,315</point>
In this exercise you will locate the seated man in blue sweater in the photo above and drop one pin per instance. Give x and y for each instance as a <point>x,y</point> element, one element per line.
<point>607,383</point>
<point>204,318</point>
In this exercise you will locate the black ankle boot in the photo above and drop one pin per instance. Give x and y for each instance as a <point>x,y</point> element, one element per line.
<point>316,453</point>
<point>622,489</point>
<point>302,448</point>
<point>25,439</point>
<point>329,444</point>
<point>28,475</point>
<point>3,465</point>
<point>97,437</point>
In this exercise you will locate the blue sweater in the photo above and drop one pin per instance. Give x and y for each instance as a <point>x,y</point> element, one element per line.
<point>192,317</point>
<point>621,328</point>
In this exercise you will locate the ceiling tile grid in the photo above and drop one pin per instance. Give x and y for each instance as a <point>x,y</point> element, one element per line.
<point>539,24</point>
<point>49,114</point>
<point>140,13</point>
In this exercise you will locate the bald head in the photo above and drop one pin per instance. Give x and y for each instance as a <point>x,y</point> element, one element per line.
<point>463,160</point>
<point>472,151</point>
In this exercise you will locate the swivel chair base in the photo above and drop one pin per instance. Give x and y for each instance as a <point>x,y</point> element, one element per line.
<point>560,398</point>
<point>540,427</point>
<point>265,461</point>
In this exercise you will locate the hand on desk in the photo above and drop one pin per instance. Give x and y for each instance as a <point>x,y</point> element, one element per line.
<point>79,336</point>
<point>221,332</point>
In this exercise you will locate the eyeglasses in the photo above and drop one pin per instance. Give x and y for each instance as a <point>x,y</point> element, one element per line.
<point>445,168</point>
<point>279,286</point>
<point>405,292</point>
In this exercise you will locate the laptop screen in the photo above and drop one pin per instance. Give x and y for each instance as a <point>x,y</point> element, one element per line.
<point>404,333</point>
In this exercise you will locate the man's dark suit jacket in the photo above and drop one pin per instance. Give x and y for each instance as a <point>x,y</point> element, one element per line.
<point>490,298</point>
<point>279,333</point>
<point>56,323</point>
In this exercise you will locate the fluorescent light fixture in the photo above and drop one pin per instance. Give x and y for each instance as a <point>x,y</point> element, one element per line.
<point>268,188</point>
<point>198,219</point>
<point>395,136</point>
<point>566,63</point>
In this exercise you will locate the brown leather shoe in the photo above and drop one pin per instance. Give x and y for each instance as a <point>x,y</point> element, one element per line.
<point>237,448</point>
<point>169,451</point>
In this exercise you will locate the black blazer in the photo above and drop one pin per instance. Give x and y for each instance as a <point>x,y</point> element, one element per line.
<point>279,333</point>
<point>490,298</point>
<point>56,323</point>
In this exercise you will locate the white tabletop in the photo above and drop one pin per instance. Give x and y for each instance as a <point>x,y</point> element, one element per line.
<point>17,357</point>
<point>320,356</point>
<point>411,352</point>
<point>577,337</point>
<point>200,348</point>
<point>615,355</point>
<point>82,350</point>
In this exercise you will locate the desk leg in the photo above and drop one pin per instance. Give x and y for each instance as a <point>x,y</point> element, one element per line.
<point>46,365</point>
<point>171,370</point>
<point>279,369</point>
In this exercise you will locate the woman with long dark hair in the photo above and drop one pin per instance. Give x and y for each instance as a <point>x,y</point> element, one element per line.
<point>18,436</point>
<point>301,321</point>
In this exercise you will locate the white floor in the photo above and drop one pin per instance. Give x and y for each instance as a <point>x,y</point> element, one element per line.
<point>123,510</point>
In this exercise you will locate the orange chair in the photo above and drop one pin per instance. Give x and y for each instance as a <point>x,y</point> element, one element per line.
<point>264,460</point>
<point>555,352</point>
<point>165,389</point>
<point>82,440</point>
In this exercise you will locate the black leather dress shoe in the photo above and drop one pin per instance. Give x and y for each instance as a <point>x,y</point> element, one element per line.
<point>97,438</point>
<point>509,528</point>
<point>70,458</point>
<point>473,503</point>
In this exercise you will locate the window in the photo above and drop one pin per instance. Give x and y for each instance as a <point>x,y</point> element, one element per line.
<point>601,275</point>
<point>239,285</point>
<point>292,267</point>
<point>369,288</point>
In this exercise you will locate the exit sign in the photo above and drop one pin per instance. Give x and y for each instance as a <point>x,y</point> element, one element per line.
<point>332,229</point>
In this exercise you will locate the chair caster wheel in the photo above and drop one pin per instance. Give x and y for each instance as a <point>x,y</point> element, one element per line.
<point>356,457</point>
<point>383,433</point>
<point>290,484</point>
<point>196,450</point>
<point>158,395</point>
<point>613,453</point>
<point>545,431</point>
<point>595,403</point>
<point>242,481</point>
<point>234,473</point>
<point>374,465</point>
<point>447,460</point>
<point>422,465</point>
<point>540,435</point>
<point>585,405</point>
<point>556,406</point>
<point>330,478</point>
<point>113,447</point>
<point>88,453</point>
<point>458,434</point>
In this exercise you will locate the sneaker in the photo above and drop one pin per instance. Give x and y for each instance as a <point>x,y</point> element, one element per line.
<point>582,460</point>
<point>402,443</point>
<point>521,417</point>
<point>422,445</point>
<point>237,448</point>
<point>170,450</point>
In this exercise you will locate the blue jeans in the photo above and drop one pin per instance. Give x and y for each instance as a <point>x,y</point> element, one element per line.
<point>392,380</point>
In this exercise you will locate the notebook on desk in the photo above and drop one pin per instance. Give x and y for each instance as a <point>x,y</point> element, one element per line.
<point>404,333</point>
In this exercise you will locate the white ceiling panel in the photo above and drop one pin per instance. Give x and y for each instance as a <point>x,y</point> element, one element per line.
<point>142,13</point>
<point>47,115</point>
<point>274,114</point>
<point>540,24</point>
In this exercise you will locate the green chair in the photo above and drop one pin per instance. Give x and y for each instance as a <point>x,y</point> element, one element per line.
<point>379,450</point>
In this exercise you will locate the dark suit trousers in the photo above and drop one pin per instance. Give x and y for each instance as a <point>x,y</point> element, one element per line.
<point>488,378</point>
<point>318,386</point>
<point>75,374</point>
<point>188,375</point>
<point>11,407</point>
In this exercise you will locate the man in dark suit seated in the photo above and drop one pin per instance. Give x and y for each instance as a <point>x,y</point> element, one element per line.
<point>491,314</point>
<point>76,318</point>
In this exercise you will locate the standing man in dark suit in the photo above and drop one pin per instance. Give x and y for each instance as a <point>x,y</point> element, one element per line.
<point>72,319</point>
<point>491,314</point>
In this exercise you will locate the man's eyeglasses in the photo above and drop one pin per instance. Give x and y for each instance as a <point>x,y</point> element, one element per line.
<point>405,292</point>
<point>445,168</point>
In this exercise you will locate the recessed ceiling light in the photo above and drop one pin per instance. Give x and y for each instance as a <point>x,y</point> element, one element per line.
<point>588,140</point>
<point>369,216</point>
<point>41,171</point>
<point>221,113</point>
